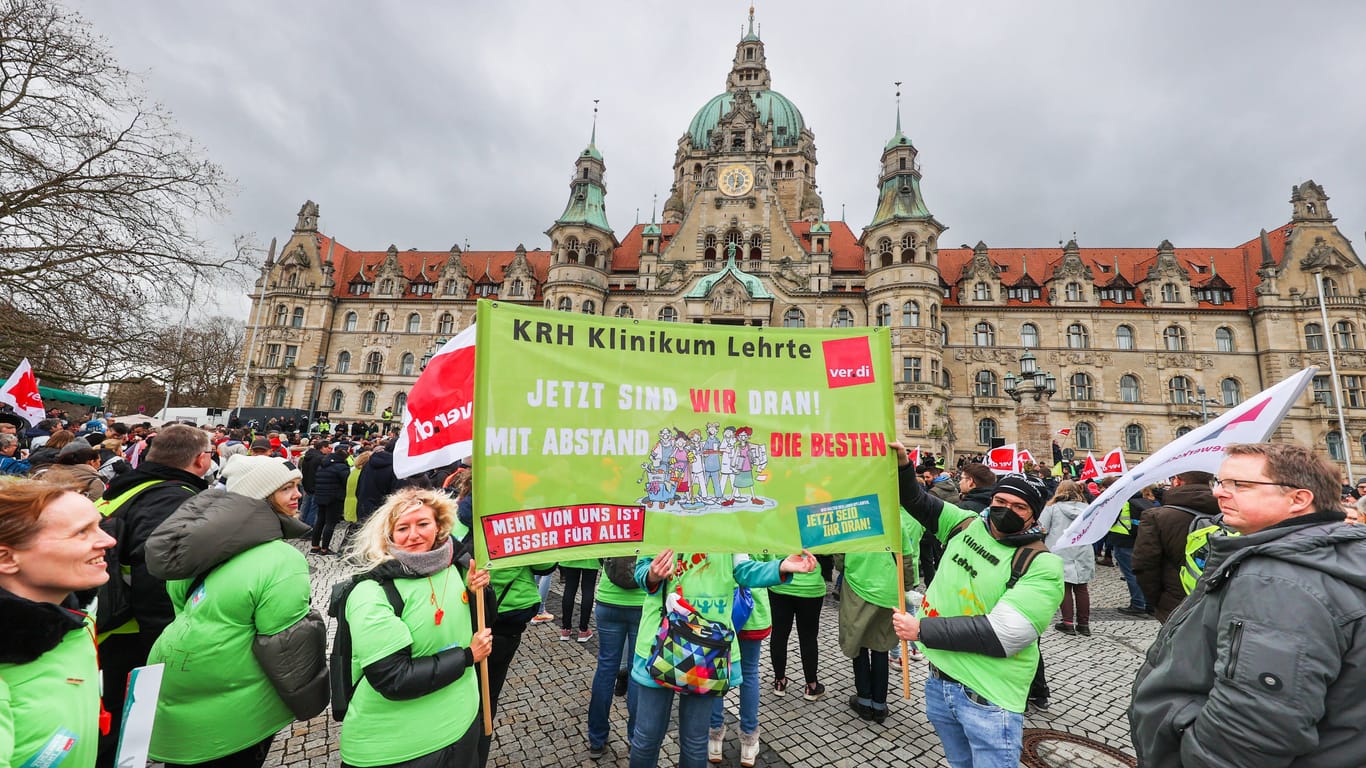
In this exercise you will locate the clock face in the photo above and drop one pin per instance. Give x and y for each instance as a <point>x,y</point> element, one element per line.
<point>736,180</point>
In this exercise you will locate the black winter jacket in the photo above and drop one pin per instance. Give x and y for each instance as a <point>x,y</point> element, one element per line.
<point>141,516</point>
<point>330,484</point>
<point>308,467</point>
<point>376,482</point>
<point>977,499</point>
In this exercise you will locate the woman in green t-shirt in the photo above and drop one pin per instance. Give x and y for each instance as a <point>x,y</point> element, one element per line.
<point>51,545</point>
<point>417,667</point>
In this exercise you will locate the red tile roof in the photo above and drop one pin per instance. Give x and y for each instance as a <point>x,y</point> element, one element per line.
<point>482,266</point>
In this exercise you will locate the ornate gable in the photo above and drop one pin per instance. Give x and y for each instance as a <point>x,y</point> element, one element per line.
<point>1326,258</point>
<point>455,278</point>
<point>1167,267</point>
<point>518,275</point>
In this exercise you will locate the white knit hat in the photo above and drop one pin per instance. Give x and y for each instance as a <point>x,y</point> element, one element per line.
<point>258,476</point>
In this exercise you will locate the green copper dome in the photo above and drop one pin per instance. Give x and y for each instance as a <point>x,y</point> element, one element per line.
<point>787,120</point>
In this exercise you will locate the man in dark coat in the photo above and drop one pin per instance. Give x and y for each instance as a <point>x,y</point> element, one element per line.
<point>1160,548</point>
<point>976,485</point>
<point>377,481</point>
<point>308,467</point>
<point>172,470</point>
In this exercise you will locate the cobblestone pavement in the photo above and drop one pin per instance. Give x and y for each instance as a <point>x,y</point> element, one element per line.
<point>543,713</point>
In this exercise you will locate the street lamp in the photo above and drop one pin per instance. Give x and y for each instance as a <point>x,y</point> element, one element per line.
<point>1205,401</point>
<point>318,370</point>
<point>1032,390</point>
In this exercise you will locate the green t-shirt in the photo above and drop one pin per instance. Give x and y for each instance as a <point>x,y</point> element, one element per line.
<point>515,588</point>
<point>587,564</point>
<point>380,731</point>
<point>873,575</point>
<point>801,584</point>
<point>708,583</point>
<point>611,594</point>
<point>52,701</point>
<point>215,698</point>
<point>970,581</point>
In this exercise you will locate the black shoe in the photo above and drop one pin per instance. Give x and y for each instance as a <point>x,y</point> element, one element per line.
<point>596,752</point>
<point>864,712</point>
<point>1040,703</point>
<point>1129,610</point>
<point>1066,627</point>
<point>623,679</point>
<point>879,715</point>
<point>1084,630</point>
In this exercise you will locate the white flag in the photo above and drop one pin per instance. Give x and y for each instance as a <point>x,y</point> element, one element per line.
<point>1200,450</point>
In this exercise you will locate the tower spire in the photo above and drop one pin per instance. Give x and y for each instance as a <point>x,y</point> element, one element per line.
<point>593,138</point>
<point>898,107</point>
<point>751,18</point>
<point>653,205</point>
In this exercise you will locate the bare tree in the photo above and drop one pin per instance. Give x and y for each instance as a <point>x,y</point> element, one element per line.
<point>99,195</point>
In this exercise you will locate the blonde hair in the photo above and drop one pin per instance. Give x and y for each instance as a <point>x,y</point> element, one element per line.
<point>1067,491</point>
<point>371,545</point>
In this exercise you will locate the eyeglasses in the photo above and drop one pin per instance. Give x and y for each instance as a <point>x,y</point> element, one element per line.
<point>1242,485</point>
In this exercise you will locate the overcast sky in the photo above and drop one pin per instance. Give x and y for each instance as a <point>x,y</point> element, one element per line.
<point>428,124</point>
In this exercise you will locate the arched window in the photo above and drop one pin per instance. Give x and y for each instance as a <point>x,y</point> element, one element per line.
<point>571,249</point>
<point>400,402</point>
<point>279,401</point>
<point>1133,439</point>
<point>1081,387</point>
<point>1124,337</point>
<point>565,304</point>
<point>1085,436</point>
<point>591,253</point>
<point>292,280</point>
<point>1345,334</point>
<point>1174,338</point>
<point>1078,337</point>
<point>934,317</point>
<point>981,292</point>
<point>1128,388</point>
<point>984,335</point>
<point>1074,291</point>
<point>589,307</point>
<point>913,418</point>
<point>445,324</point>
<point>986,431</point>
<point>405,364</point>
<point>281,315</point>
<point>1223,340</point>
<point>1363,442</point>
<point>910,314</point>
<point>336,400</point>
<point>884,252</point>
<point>1336,451</point>
<point>343,362</point>
<point>382,322</point>
<point>793,318</point>
<point>1179,391</point>
<point>709,248</point>
<point>1183,431</point>
<point>843,318</point>
<point>625,311</point>
<point>297,321</point>
<point>986,384</point>
<point>1313,337</point>
<point>414,323</point>
<point>668,314</point>
<point>367,402</point>
<point>884,314</point>
<point>349,322</point>
<point>943,333</point>
<point>1231,392</point>
<point>1330,287</point>
<point>1169,293</point>
<point>1029,336</point>
<point>260,398</point>
<point>907,248</point>
<point>374,362</point>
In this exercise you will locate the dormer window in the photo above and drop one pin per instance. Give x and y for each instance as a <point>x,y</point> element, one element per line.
<point>1169,293</point>
<point>422,289</point>
<point>451,287</point>
<point>517,288</point>
<point>749,54</point>
<point>485,289</point>
<point>386,286</point>
<point>903,163</point>
<point>1074,292</point>
<point>981,292</point>
<point>782,130</point>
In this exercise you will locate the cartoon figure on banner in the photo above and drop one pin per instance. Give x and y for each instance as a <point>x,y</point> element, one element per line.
<point>749,462</point>
<point>711,464</point>
<point>727,467</point>
<point>678,463</point>
<point>697,488</point>
<point>663,449</point>
<point>659,488</point>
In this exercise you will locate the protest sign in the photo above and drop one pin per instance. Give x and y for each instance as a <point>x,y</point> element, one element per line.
<point>599,437</point>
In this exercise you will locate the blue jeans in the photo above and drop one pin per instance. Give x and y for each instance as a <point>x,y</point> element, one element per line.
<point>973,735</point>
<point>1124,558</point>
<point>617,627</point>
<point>543,588</point>
<point>308,509</point>
<point>654,707</point>
<point>749,690</point>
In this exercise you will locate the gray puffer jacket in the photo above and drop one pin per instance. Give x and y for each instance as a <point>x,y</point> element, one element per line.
<point>1265,663</point>
<point>211,529</point>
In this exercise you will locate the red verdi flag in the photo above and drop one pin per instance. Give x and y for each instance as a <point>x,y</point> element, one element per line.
<point>1113,464</point>
<point>20,392</point>
<point>1088,470</point>
<point>1003,460</point>
<point>914,456</point>
<point>438,419</point>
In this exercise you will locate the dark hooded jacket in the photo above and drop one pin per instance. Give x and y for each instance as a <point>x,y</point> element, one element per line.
<point>1265,662</point>
<point>977,499</point>
<point>1160,546</point>
<point>377,481</point>
<point>208,534</point>
<point>329,486</point>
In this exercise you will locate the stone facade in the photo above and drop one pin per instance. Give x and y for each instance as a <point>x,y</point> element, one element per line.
<point>1133,336</point>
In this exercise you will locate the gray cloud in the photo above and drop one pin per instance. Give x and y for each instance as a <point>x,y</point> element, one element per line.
<point>428,123</point>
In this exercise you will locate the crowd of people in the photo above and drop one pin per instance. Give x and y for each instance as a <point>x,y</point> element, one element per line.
<point>127,545</point>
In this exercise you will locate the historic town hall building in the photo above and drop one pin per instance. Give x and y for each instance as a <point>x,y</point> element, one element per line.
<point>1141,342</point>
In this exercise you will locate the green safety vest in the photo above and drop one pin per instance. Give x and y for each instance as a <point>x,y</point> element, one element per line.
<point>1124,525</point>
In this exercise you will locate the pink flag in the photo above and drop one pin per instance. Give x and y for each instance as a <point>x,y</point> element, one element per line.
<point>1113,464</point>
<point>1003,460</point>
<point>20,392</point>
<point>1089,470</point>
<point>438,419</point>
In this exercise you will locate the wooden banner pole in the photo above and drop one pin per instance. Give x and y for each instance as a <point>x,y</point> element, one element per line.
<point>905,650</point>
<point>484,701</point>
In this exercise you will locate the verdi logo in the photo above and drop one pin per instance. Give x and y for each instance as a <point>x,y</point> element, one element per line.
<point>848,362</point>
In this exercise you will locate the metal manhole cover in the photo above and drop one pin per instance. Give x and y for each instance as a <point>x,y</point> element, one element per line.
<point>1059,749</point>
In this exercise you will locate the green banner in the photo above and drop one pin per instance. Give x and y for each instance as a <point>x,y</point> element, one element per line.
<point>600,437</point>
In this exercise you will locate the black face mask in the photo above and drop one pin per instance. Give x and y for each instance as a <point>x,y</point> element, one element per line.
<point>1005,520</point>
